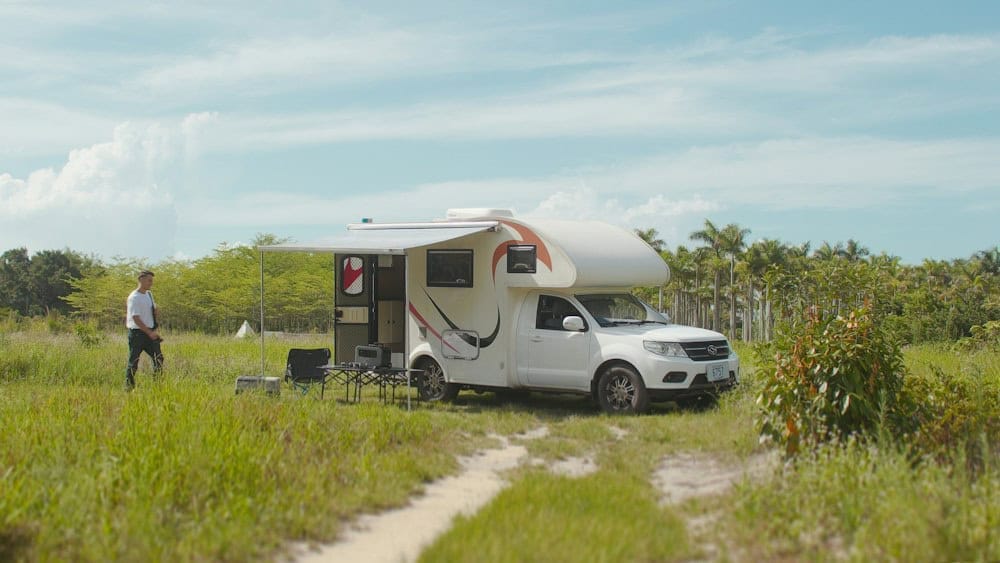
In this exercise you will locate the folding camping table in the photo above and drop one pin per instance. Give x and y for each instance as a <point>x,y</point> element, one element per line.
<point>355,375</point>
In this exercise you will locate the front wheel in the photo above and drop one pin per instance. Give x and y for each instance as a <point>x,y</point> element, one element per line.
<point>433,385</point>
<point>620,391</point>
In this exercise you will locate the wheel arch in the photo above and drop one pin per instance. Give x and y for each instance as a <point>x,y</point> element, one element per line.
<point>419,357</point>
<point>596,376</point>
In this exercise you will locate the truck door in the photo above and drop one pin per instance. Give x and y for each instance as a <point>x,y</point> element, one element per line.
<point>353,303</point>
<point>549,355</point>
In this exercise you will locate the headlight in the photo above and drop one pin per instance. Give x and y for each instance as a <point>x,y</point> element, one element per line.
<point>672,349</point>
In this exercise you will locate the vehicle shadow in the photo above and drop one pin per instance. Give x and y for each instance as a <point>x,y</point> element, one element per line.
<point>552,406</point>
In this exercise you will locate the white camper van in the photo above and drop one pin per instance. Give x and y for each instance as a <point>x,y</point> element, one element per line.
<point>482,300</point>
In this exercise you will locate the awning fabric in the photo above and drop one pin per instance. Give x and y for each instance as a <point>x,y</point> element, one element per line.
<point>374,241</point>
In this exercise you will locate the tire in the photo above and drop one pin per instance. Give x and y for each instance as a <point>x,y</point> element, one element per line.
<point>433,385</point>
<point>620,390</point>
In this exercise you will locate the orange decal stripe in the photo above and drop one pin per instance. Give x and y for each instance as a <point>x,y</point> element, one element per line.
<point>527,236</point>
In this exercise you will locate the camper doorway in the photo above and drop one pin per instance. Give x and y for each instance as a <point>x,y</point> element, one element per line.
<point>369,304</point>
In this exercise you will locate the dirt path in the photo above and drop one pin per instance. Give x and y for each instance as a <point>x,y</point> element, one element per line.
<point>401,534</point>
<point>680,477</point>
<point>686,475</point>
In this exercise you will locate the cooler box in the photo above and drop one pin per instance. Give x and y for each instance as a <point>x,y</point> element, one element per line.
<point>270,385</point>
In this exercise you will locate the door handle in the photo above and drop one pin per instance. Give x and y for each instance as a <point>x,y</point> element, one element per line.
<point>536,338</point>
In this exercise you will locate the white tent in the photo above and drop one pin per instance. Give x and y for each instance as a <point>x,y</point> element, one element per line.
<point>245,330</point>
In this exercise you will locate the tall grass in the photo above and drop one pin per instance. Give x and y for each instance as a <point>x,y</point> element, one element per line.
<point>869,503</point>
<point>183,469</point>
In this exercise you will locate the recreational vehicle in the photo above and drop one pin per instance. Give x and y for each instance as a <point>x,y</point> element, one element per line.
<point>483,300</point>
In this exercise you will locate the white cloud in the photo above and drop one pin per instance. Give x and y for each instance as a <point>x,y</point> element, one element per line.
<point>33,128</point>
<point>113,198</point>
<point>622,113</point>
<point>283,63</point>
<point>762,87</point>
<point>852,172</point>
<point>841,173</point>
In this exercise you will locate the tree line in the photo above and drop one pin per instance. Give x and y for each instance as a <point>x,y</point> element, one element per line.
<point>744,289</point>
<point>721,281</point>
<point>213,295</point>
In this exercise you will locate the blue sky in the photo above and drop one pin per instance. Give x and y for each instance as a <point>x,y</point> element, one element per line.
<point>164,129</point>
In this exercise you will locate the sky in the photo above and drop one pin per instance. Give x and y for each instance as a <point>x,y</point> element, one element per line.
<point>156,130</point>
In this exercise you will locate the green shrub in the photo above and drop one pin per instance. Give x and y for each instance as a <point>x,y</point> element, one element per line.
<point>984,337</point>
<point>833,378</point>
<point>952,412</point>
<point>87,334</point>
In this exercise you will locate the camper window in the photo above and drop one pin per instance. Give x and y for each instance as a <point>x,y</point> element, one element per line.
<point>449,268</point>
<point>521,259</point>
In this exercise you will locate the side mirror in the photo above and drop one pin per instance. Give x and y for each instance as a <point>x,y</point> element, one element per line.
<point>573,323</point>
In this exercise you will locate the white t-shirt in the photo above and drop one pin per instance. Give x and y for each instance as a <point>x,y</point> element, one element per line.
<point>139,304</point>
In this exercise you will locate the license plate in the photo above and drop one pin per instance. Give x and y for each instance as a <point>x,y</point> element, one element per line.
<point>718,372</point>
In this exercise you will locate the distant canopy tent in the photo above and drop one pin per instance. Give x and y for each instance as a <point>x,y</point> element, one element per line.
<point>245,330</point>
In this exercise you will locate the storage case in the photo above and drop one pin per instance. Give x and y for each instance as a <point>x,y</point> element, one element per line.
<point>270,385</point>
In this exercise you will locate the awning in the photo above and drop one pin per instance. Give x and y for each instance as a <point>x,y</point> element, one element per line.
<point>385,239</point>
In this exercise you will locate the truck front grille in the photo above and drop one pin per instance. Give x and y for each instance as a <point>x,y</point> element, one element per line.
<point>702,351</point>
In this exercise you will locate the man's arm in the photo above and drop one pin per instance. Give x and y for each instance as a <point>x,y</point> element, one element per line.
<point>152,334</point>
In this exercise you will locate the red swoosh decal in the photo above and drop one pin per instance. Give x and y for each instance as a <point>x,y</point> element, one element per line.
<point>420,318</point>
<point>351,274</point>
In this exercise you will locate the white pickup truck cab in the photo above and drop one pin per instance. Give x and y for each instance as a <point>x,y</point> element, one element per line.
<point>620,350</point>
<point>484,301</point>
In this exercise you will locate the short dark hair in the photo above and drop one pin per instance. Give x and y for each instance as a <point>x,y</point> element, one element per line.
<point>145,273</point>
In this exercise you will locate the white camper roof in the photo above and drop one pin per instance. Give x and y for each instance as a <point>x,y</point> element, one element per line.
<point>387,238</point>
<point>603,255</point>
<point>597,253</point>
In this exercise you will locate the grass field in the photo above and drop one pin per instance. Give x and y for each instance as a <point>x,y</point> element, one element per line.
<point>183,469</point>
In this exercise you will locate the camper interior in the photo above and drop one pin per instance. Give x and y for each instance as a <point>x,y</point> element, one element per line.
<point>370,304</point>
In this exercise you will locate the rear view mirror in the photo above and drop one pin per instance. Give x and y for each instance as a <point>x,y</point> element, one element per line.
<point>573,323</point>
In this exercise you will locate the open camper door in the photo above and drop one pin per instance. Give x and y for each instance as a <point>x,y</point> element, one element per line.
<point>353,303</point>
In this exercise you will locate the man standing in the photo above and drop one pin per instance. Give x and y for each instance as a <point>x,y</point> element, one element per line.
<point>140,318</point>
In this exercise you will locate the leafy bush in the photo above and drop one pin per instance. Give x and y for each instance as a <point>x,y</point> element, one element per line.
<point>984,336</point>
<point>948,412</point>
<point>833,378</point>
<point>87,334</point>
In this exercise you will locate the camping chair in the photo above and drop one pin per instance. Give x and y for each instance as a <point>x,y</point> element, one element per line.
<point>304,370</point>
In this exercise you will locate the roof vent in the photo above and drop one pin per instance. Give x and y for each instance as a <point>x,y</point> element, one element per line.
<point>476,213</point>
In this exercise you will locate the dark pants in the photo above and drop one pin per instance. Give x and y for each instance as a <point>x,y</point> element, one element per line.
<point>139,342</point>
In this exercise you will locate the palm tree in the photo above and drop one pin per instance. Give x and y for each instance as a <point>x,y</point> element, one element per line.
<point>989,260</point>
<point>682,273</point>
<point>762,256</point>
<point>853,251</point>
<point>733,244</point>
<point>826,252</point>
<point>713,238</point>
<point>650,237</point>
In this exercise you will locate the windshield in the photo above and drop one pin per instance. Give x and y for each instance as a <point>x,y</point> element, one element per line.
<point>615,309</point>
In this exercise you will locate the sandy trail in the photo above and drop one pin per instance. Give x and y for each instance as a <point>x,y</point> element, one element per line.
<point>686,475</point>
<point>401,534</point>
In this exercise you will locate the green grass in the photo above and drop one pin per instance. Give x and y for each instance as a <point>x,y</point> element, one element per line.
<point>868,504</point>
<point>183,469</point>
<point>600,517</point>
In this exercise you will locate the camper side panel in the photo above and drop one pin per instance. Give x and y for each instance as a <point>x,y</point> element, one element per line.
<point>464,299</point>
